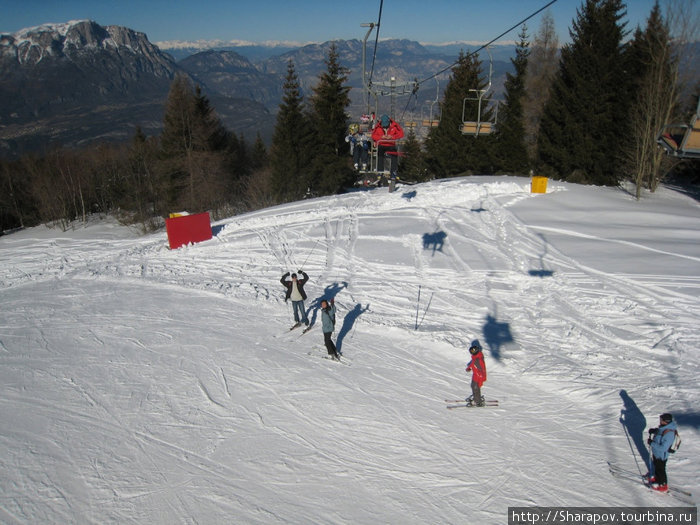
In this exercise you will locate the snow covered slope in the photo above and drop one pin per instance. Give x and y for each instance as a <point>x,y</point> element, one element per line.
<point>143,385</point>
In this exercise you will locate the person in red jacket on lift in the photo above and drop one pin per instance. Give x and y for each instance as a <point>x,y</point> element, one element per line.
<point>477,366</point>
<point>385,134</point>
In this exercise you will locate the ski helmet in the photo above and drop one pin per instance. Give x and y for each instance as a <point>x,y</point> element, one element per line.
<point>666,418</point>
<point>474,349</point>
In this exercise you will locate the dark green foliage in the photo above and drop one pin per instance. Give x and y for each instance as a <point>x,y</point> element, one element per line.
<point>259,157</point>
<point>510,150</point>
<point>448,151</point>
<point>17,208</point>
<point>412,163</point>
<point>329,171</point>
<point>142,193</point>
<point>292,140</point>
<point>585,117</point>
<point>194,147</point>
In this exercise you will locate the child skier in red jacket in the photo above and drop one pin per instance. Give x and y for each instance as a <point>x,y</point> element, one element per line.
<point>477,367</point>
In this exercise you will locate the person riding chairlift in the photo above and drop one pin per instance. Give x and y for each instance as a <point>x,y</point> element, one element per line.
<point>385,134</point>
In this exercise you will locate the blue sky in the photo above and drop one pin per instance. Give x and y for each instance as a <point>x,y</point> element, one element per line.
<point>305,20</point>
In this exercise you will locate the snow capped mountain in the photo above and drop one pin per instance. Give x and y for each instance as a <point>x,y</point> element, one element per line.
<point>31,45</point>
<point>78,82</point>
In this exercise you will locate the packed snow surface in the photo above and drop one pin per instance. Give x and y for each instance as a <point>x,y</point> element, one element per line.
<point>140,384</point>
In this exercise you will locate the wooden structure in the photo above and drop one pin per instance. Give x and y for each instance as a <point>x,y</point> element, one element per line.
<point>682,140</point>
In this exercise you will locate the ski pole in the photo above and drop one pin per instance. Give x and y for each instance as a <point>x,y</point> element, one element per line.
<point>312,251</point>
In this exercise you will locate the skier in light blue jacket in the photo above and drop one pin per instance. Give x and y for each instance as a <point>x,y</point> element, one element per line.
<point>661,439</point>
<point>328,325</point>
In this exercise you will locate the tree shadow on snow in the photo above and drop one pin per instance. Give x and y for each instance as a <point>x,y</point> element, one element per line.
<point>496,334</point>
<point>348,322</point>
<point>633,421</point>
<point>691,190</point>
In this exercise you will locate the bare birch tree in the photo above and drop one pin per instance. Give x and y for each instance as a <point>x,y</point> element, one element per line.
<point>662,47</point>
<point>542,65</point>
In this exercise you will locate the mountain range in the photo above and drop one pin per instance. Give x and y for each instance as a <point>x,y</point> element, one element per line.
<point>78,82</point>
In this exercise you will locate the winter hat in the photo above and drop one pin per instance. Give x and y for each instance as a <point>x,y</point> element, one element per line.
<point>666,418</point>
<point>385,121</point>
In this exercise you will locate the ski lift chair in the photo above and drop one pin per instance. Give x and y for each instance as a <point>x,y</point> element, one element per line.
<point>478,127</point>
<point>430,116</point>
<point>430,120</point>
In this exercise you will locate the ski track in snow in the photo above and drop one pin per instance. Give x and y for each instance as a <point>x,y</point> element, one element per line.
<point>159,386</point>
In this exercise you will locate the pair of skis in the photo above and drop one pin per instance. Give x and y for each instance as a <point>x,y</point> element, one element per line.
<point>469,403</point>
<point>331,358</point>
<point>677,492</point>
<point>297,325</point>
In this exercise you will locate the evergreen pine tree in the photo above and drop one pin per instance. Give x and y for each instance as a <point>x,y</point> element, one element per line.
<point>209,133</point>
<point>412,164</point>
<point>448,151</point>
<point>193,149</point>
<point>584,119</point>
<point>175,144</point>
<point>510,151</point>
<point>330,172</point>
<point>258,157</point>
<point>291,142</point>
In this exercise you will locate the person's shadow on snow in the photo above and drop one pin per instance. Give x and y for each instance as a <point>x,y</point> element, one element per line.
<point>348,322</point>
<point>328,293</point>
<point>634,423</point>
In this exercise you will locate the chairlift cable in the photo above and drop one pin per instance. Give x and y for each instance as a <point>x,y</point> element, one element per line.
<point>376,42</point>
<point>476,52</point>
<point>414,93</point>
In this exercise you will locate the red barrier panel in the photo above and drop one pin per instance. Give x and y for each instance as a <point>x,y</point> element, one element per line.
<point>188,228</point>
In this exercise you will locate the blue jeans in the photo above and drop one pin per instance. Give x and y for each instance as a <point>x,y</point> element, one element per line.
<point>299,312</point>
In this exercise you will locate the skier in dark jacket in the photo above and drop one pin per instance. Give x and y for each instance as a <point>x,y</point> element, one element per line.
<point>328,325</point>
<point>661,439</point>
<point>477,366</point>
<point>295,292</point>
